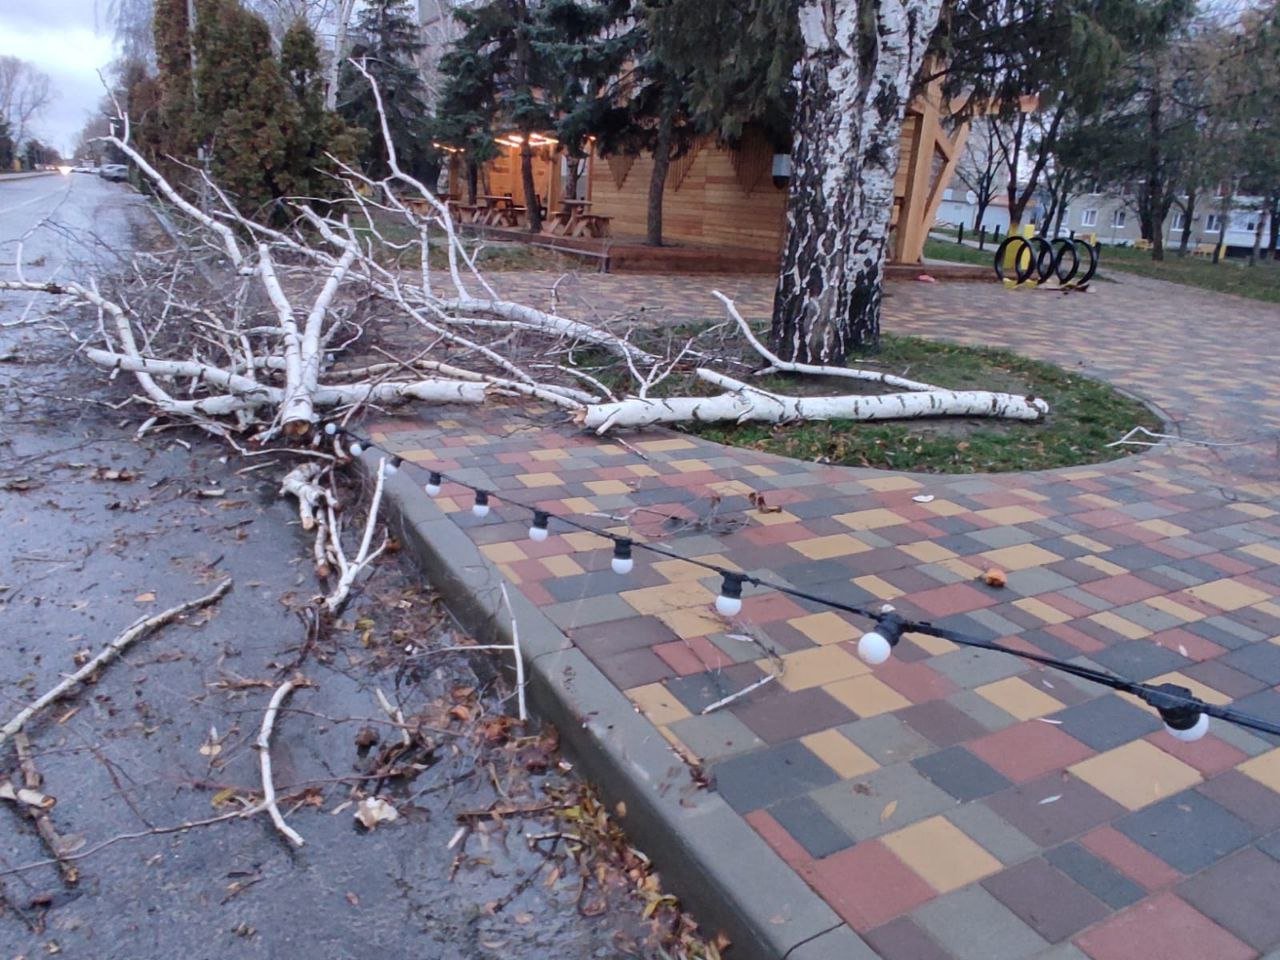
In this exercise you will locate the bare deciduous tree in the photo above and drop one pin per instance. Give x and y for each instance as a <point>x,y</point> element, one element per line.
<point>24,93</point>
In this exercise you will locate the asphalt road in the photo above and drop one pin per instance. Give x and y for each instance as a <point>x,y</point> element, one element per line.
<point>97,529</point>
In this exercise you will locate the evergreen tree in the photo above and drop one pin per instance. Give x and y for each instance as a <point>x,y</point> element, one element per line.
<point>172,124</point>
<point>316,132</point>
<point>6,146</point>
<point>388,43</point>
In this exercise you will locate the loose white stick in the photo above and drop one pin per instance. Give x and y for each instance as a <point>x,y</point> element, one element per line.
<point>264,759</point>
<point>140,628</point>
<point>351,569</point>
<point>515,652</point>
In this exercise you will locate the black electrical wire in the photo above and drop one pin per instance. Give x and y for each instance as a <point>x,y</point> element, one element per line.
<point>1169,699</point>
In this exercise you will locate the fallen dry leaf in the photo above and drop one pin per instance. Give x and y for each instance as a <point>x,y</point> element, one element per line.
<point>994,577</point>
<point>888,810</point>
<point>147,597</point>
<point>372,811</point>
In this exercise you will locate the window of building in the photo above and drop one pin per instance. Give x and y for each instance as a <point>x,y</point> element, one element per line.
<point>1179,221</point>
<point>1213,223</point>
<point>1251,224</point>
<point>1095,188</point>
<point>1089,218</point>
<point>1117,218</point>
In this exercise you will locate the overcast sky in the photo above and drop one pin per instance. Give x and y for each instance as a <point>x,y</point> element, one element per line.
<point>61,38</point>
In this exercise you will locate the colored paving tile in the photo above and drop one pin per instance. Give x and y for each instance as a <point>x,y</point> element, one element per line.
<point>952,803</point>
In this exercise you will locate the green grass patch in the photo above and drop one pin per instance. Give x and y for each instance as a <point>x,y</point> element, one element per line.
<point>1085,415</point>
<point>1259,282</point>
<point>959,253</point>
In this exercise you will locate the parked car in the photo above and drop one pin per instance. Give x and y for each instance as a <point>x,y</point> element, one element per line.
<point>114,171</point>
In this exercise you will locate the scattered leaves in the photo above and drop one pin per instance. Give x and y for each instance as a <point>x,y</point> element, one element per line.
<point>372,811</point>
<point>888,810</point>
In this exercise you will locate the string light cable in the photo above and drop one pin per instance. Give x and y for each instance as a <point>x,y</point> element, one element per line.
<point>1185,716</point>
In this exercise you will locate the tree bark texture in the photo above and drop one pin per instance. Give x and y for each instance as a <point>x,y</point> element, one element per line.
<point>855,79</point>
<point>1188,211</point>
<point>533,208</point>
<point>661,166</point>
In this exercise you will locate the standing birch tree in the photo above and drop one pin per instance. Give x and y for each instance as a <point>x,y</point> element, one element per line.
<point>854,80</point>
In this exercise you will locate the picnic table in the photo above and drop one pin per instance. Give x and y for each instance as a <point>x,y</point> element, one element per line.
<point>574,219</point>
<point>500,211</point>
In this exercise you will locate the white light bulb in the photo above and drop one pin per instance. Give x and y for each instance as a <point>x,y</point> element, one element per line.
<point>432,486</point>
<point>622,564</point>
<point>391,468</point>
<point>874,648</point>
<point>537,534</point>
<point>480,509</point>
<point>357,448</point>
<point>728,606</point>
<point>331,429</point>
<point>1191,734</point>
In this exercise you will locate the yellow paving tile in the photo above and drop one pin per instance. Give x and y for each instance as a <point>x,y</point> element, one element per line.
<point>823,548</point>
<point>866,696</point>
<point>1105,566</point>
<point>604,488</point>
<point>448,504</point>
<point>1227,594</point>
<point>961,568</point>
<point>1175,609</point>
<point>720,560</point>
<point>1254,509</point>
<point>1022,556</point>
<point>693,622</point>
<point>1117,623</point>
<point>826,627</point>
<point>562,566</point>
<point>942,854</point>
<point>1263,551</point>
<point>818,665</point>
<point>582,541</point>
<point>772,519</point>
<point>1265,768</point>
<point>1080,540</point>
<point>612,450</point>
<point>869,519</point>
<point>1136,774</point>
<point>839,753</point>
<point>945,508</point>
<point>730,488</point>
<point>1029,495</point>
<point>680,570</point>
<point>1018,698</point>
<point>666,446</point>
<point>761,471</point>
<point>511,575</point>
<point>692,465</point>
<point>503,552</point>
<point>1041,610</point>
<point>553,454</point>
<point>934,646</point>
<point>420,455</point>
<point>1098,500</point>
<point>1198,689</point>
<point>885,484</point>
<point>926,551</point>
<point>577,506</point>
<point>1007,516</point>
<point>667,597</point>
<point>1080,475</point>
<point>657,704</point>
<point>1164,528</point>
<point>877,587</point>
<point>642,470</point>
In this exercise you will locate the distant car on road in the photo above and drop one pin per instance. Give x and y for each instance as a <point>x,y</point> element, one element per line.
<point>114,171</point>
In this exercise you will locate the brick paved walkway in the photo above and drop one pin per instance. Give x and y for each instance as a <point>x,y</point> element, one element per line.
<point>950,803</point>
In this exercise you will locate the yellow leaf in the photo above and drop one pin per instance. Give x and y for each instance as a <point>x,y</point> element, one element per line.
<point>222,797</point>
<point>147,597</point>
<point>887,812</point>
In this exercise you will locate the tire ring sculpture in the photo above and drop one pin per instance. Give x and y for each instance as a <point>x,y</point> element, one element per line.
<point>1044,259</point>
<point>1063,246</point>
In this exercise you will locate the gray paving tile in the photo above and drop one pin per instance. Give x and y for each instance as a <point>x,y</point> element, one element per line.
<point>1106,722</point>
<point>1240,893</point>
<point>1188,830</point>
<point>1140,659</point>
<point>972,668</point>
<point>960,773</point>
<point>1149,617</point>
<point>996,537</point>
<point>887,739</point>
<point>593,610</point>
<point>1046,899</point>
<point>1261,660</point>
<point>716,736</point>
<point>981,709</point>
<point>1001,839</point>
<point>997,624</point>
<point>1095,875</point>
<point>974,925</point>
<point>858,805</point>
<point>810,826</point>
<point>1038,580</point>
<point>761,778</point>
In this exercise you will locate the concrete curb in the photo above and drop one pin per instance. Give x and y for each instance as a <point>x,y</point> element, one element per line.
<point>721,869</point>
<point>5,177</point>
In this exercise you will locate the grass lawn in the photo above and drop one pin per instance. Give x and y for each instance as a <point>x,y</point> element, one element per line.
<point>960,253</point>
<point>1259,282</point>
<point>1085,415</point>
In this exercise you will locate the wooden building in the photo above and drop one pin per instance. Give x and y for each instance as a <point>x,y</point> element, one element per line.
<point>726,197</point>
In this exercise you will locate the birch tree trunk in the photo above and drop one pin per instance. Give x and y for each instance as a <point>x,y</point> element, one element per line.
<point>860,58</point>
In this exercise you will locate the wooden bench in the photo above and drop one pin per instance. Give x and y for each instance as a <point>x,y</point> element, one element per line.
<point>1142,244</point>
<point>1204,250</point>
<point>591,225</point>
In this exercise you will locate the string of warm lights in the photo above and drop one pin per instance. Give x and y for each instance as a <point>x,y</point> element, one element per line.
<point>1185,716</point>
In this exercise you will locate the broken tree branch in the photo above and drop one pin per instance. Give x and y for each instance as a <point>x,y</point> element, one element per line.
<point>263,745</point>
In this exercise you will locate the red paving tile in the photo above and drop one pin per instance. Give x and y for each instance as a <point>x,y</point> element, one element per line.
<point>1029,750</point>
<point>1133,861</point>
<point>1163,926</point>
<point>868,885</point>
<point>951,599</point>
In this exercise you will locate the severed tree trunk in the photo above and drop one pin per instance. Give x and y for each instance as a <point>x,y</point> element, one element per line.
<point>859,61</point>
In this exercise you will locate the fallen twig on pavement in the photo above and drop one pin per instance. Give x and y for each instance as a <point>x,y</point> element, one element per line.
<point>263,744</point>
